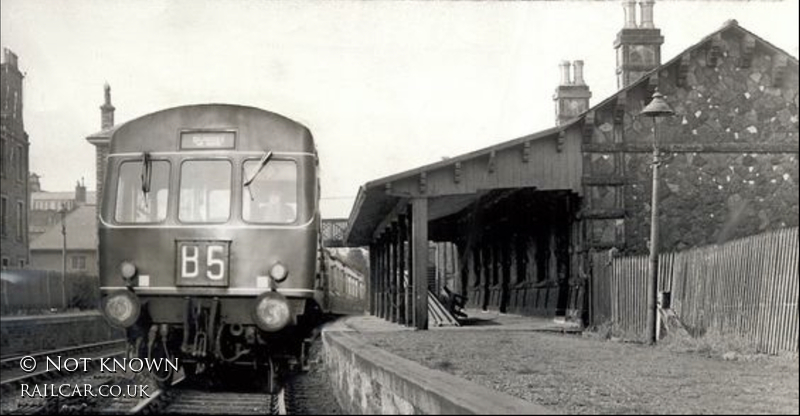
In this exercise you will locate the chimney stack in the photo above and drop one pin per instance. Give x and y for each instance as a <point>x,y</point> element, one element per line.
<point>9,58</point>
<point>638,47</point>
<point>107,110</point>
<point>80,192</point>
<point>572,95</point>
<point>34,183</point>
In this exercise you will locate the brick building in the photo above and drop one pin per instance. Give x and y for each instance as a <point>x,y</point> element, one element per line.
<point>13,167</point>
<point>526,214</point>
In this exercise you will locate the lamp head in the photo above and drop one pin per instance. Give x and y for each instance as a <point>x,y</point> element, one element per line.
<point>658,107</point>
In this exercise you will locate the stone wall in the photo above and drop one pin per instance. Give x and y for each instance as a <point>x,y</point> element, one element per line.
<point>708,198</point>
<point>368,380</point>
<point>731,166</point>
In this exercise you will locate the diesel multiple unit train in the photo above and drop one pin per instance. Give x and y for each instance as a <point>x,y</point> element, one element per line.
<point>209,237</point>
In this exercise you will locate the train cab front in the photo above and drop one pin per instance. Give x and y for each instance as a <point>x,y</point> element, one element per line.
<point>211,322</point>
<point>197,266</point>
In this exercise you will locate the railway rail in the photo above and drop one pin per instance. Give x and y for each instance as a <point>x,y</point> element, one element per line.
<point>190,398</point>
<point>12,361</point>
<point>298,393</point>
<point>13,375</point>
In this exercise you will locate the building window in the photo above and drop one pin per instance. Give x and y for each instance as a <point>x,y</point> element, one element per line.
<point>3,212</point>
<point>6,262</point>
<point>20,220</point>
<point>12,159</point>
<point>21,264</point>
<point>3,161</point>
<point>21,171</point>
<point>78,262</point>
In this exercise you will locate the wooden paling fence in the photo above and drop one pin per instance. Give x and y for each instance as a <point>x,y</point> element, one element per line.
<point>28,290</point>
<point>746,288</point>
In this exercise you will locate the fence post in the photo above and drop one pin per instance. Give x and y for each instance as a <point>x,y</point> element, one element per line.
<point>64,291</point>
<point>47,286</point>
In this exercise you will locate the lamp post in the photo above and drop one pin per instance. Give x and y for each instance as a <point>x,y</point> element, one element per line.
<point>657,108</point>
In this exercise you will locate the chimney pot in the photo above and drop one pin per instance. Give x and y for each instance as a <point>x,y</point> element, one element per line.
<point>578,68</point>
<point>107,109</point>
<point>647,14</point>
<point>630,13</point>
<point>565,80</point>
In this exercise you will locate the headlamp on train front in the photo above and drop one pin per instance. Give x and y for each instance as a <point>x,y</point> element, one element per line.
<point>271,312</point>
<point>127,269</point>
<point>121,308</point>
<point>278,272</point>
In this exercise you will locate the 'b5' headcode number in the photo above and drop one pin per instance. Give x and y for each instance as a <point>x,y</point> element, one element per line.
<point>202,263</point>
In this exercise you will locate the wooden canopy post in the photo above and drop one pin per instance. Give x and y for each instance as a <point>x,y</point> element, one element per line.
<point>395,274</point>
<point>384,276</point>
<point>419,260</point>
<point>401,268</point>
<point>387,272</point>
<point>372,292</point>
<point>379,278</point>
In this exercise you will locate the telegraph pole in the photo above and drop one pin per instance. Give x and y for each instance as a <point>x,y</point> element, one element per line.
<point>63,213</point>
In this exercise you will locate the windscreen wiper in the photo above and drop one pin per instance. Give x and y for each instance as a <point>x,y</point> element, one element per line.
<point>261,164</point>
<point>147,171</point>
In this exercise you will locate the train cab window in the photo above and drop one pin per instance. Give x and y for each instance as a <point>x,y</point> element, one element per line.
<point>272,195</point>
<point>134,205</point>
<point>205,191</point>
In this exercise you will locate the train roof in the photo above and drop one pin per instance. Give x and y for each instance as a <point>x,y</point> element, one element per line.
<point>255,129</point>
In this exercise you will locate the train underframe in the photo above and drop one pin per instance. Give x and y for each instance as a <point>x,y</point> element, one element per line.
<point>213,333</point>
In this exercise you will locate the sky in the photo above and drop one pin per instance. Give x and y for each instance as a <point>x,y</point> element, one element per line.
<point>384,86</point>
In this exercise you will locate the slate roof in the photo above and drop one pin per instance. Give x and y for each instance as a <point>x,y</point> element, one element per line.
<point>91,196</point>
<point>81,232</point>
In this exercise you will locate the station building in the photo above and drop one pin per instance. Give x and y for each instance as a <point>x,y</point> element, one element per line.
<point>525,215</point>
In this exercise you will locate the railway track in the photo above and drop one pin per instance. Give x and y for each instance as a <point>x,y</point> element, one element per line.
<point>13,375</point>
<point>191,399</point>
<point>10,362</point>
<point>205,395</point>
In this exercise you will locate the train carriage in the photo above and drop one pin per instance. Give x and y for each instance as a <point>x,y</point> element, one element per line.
<point>209,235</point>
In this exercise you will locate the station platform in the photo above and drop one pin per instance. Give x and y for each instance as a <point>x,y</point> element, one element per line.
<point>387,382</point>
<point>369,379</point>
<point>477,320</point>
<point>514,364</point>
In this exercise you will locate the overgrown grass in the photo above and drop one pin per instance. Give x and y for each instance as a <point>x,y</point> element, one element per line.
<point>611,332</point>
<point>716,344</point>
